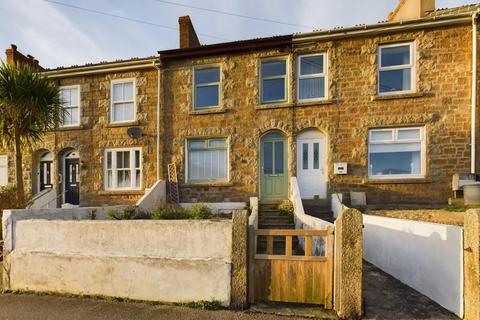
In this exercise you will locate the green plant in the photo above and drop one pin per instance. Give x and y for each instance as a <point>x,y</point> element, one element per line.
<point>170,213</point>
<point>92,214</point>
<point>9,198</point>
<point>204,305</point>
<point>200,211</point>
<point>286,208</point>
<point>30,106</point>
<point>125,214</point>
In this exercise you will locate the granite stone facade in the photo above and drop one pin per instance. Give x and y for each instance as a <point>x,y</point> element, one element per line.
<point>440,104</point>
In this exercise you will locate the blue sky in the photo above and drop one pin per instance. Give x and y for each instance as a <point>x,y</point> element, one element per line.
<point>63,36</point>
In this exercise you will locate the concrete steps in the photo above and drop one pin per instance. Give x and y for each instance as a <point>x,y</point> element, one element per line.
<point>319,208</point>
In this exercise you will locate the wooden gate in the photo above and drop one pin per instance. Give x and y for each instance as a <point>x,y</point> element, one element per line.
<point>294,278</point>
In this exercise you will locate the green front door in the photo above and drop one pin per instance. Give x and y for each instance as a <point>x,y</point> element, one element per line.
<point>273,167</point>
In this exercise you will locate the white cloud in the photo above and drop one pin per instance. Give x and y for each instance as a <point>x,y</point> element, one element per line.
<point>42,30</point>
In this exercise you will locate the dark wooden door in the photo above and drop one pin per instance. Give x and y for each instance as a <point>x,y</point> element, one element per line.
<point>72,183</point>
<point>45,175</point>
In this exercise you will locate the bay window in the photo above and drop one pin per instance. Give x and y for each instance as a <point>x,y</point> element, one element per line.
<point>207,160</point>
<point>396,153</point>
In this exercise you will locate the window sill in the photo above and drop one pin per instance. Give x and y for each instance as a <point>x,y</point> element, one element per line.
<point>397,181</point>
<point>274,106</point>
<point>120,192</point>
<point>314,102</point>
<point>208,184</point>
<point>68,128</point>
<point>208,111</point>
<point>398,96</point>
<point>122,124</point>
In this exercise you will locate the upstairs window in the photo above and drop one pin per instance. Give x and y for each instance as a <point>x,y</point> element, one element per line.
<point>206,88</point>
<point>3,170</point>
<point>70,99</point>
<point>396,153</point>
<point>273,74</point>
<point>123,169</point>
<point>123,101</point>
<point>396,69</point>
<point>311,84</point>
<point>207,160</point>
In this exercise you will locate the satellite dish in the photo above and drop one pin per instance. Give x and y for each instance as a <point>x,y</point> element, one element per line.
<point>134,132</point>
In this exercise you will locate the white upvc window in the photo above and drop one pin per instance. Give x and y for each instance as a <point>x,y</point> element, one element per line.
<point>312,77</point>
<point>396,153</point>
<point>3,170</point>
<point>207,160</point>
<point>123,107</point>
<point>123,169</point>
<point>396,68</point>
<point>70,99</point>
<point>207,87</point>
<point>273,80</point>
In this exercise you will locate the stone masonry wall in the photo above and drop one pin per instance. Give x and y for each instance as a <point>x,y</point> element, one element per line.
<point>95,134</point>
<point>442,105</point>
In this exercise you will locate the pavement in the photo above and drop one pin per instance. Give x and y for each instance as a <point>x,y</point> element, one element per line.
<point>387,298</point>
<point>36,307</point>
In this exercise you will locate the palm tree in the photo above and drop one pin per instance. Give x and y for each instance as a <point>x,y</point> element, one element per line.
<point>30,106</point>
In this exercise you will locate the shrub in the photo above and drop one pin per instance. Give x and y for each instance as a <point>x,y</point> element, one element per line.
<point>200,211</point>
<point>286,208</point>
<point>9,198</point>
<point>125,214</point>
<point>204,305</point>
<point>170,213</point>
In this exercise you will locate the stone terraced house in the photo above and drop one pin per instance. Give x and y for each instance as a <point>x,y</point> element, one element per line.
<point>387,109</point>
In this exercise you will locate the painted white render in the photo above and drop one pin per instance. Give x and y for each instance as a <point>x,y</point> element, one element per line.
<point>426,256</point>
<point>170,261</point>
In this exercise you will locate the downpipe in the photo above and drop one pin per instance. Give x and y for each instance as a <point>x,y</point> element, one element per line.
<point>474,93</point>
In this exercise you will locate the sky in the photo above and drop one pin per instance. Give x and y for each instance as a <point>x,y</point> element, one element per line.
<point>59,35</point>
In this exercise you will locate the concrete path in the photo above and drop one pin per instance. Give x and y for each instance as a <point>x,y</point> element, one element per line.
<point>33,307</point>
<point>388,298</point>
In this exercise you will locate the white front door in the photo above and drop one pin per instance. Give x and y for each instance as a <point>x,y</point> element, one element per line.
<point>311,164</point>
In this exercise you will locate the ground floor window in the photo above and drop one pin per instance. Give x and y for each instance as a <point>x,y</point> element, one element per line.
<point>123,169</point>
<point>3,170</point>
<point>207,160</point>
<point>396,153</point>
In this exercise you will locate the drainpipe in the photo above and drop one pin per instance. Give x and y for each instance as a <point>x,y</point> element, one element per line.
<point>474,91</point>
<point>157,66</point>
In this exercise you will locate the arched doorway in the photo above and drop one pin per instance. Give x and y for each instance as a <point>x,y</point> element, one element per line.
<point>273,166</point>
<point>71,177</point>
<point>311,164</point>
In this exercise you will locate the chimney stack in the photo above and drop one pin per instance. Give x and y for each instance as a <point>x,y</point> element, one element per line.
<point>411,9</point>
<point>16,57</point>
<point>188,36</point>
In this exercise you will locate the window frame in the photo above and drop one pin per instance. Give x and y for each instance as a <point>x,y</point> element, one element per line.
<point>115,169</point>
<point>393,141</point>
<point>219,84</point>
<point>78,87</point>
<point>134,99</point>
<point>6,169</point>
<point>286,78</point>
<point>411,66</point>
<point>187,165</point>
<point>312,76</point>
